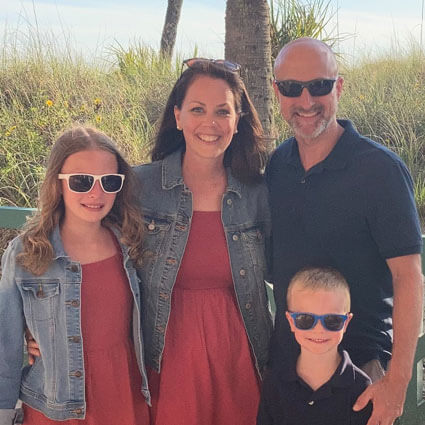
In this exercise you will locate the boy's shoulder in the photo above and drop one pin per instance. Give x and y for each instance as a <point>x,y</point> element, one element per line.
<point>352,378</point>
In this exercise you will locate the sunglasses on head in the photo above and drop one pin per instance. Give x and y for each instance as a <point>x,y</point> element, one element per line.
<point>81,183</point>
<point>331,322</point>
<point>292,88</point>
<point>199,63</point>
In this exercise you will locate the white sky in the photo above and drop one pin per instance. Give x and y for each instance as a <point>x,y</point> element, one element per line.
<point>94,25</point>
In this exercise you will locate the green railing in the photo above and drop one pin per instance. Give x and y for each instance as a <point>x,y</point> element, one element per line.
<point>414,408</point>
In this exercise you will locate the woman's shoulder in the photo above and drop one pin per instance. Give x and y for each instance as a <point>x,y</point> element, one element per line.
<point>148,169</point>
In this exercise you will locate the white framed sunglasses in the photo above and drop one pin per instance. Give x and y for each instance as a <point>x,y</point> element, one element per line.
<point>82,182</point>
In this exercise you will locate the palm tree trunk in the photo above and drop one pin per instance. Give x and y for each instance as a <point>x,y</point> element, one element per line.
<point>169,32</point>
<point>247,42</point>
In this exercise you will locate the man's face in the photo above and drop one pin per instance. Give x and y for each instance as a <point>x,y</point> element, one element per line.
<point>309,116</point>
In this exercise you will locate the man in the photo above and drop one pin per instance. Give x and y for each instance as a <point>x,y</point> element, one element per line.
<point>339,199</point>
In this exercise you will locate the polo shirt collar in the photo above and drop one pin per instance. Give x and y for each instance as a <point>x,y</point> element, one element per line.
<point>343,377</point>
<point>337,158</point>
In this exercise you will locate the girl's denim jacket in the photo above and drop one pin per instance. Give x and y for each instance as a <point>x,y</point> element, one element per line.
<point>49,305</point>
<point>167,211</point>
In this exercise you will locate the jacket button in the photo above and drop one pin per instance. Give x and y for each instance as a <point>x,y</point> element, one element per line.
<point>248,306</point>
<point>75,338</point>
<point>242,272</point>
<point>229,202</point>
<point>75,303</point>
<point>151,226</point>
<point>78,411</point>
<point>235,237</point>
<point>78,374</point>
<point>164,295</point>
<point>74,268</point>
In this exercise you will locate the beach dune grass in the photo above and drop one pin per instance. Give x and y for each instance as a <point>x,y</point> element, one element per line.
<point>43,91</point>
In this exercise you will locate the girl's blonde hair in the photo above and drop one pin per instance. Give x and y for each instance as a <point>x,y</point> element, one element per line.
<point>125,214</point>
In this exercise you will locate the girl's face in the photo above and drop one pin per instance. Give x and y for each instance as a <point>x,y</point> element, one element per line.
<point>207,117</point>
<point>88,207</point>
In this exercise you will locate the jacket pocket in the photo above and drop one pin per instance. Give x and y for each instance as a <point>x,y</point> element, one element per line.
<point>40,297</point>
<point>254,242</point>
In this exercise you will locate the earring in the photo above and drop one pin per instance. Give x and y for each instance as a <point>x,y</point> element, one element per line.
<point>179,128</point>
<point>235,131</point>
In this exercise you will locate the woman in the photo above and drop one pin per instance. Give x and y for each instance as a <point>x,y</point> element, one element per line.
<point>70,278</point>
<point>205,318</point>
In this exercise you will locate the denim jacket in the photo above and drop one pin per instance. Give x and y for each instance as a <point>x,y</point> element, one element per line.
<point>50,306</point>
<point>167,211</point>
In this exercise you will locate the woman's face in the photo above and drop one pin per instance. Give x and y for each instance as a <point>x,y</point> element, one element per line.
<point>207,117</point>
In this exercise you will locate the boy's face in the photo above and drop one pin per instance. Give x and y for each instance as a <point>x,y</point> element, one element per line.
<point>318,340</point>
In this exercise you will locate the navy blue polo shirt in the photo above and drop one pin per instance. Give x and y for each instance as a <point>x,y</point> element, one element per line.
<point>287,400</point>
<point>352,211</point>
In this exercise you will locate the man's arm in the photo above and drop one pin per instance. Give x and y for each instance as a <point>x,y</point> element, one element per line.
<point>388,394</point>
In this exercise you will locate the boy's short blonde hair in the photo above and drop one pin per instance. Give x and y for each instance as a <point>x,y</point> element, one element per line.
<point>318,278</point>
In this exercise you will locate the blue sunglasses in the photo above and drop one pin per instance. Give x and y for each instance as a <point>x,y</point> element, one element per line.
<point>306,321</point>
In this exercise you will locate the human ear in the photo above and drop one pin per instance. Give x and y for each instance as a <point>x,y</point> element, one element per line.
<point>177,116</point>
<point>339,85</point>
<point>276,90</point>
<point>290,320</point>
<point>350,316</point>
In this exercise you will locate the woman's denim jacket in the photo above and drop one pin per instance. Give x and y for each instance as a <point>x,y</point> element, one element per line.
<point>167,211</point>
<point>50,306</point>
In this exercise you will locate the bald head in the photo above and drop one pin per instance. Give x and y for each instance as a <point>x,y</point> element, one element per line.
<point>312,57</point>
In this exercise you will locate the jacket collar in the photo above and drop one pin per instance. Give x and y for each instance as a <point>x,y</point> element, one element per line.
<point>172,174</point>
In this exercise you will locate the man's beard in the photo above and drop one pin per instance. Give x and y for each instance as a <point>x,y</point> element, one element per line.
<point>321,124</point>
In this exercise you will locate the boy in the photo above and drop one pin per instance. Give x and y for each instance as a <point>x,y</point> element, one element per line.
<point>321,385</point>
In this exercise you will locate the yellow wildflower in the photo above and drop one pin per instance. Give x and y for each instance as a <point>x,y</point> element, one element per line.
<point>97,101</point>
<point>49,103</point>
<point>98,118</point>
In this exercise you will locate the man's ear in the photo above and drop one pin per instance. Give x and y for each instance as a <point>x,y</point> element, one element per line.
<point>339,85</point>
<point>276,90</point>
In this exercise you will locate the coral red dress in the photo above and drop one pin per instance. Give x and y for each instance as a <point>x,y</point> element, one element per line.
<point>112,377</point>
<point>207,371</point>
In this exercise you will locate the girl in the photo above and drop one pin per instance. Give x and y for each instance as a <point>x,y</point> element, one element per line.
<point>69,277</point>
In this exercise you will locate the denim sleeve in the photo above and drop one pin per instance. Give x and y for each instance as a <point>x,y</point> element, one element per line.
<point>11,335</point>
<point>8,416</point>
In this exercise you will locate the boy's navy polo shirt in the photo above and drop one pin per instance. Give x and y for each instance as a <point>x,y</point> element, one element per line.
<point>287,400</point>
<point>352,211</point>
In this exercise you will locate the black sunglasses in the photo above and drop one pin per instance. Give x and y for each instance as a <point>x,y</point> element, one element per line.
<point>331,322</point>
<point>81,183</point>
<point>199,63</point>
<point>292,88</point>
